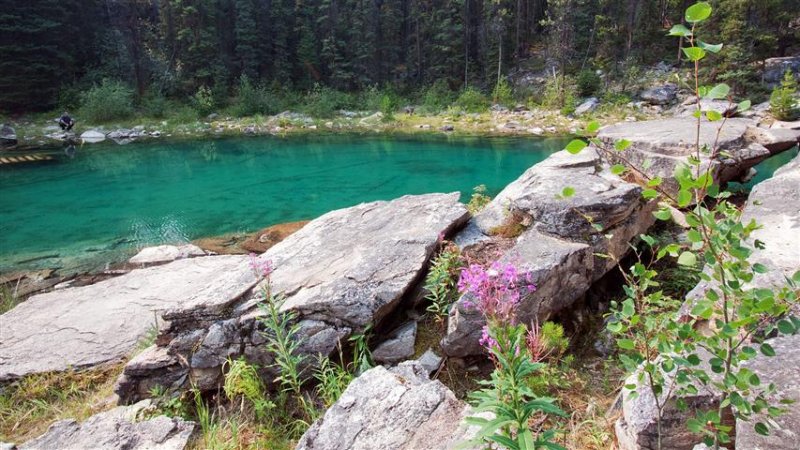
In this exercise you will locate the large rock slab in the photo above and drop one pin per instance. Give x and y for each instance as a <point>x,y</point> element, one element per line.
<point>560,237</point>
<point>665,144</point>
<point>391,409</point>
<point>339,274</point>
<point>784,371</point>
<point>90,325</point>
<point>122,428</point>
<point>775,204</point>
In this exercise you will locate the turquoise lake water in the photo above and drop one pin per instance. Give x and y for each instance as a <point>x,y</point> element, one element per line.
<point>109,200</point>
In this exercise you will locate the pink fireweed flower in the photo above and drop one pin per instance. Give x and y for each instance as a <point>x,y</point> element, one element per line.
<point>536,346</point>
<point>261,268</point>
<point>497,290</point>
<point>486,340</point>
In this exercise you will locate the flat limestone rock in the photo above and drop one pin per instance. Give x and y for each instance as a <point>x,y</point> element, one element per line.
<point>665,144</point>
<point>166,253</point>
<point>121,428</point>
<point>784,371</point>
<point>340,273</point>
<point>90,325</point>
<point>398,409</point>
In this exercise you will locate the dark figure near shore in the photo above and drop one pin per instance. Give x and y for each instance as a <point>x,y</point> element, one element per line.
<point>65,122</point>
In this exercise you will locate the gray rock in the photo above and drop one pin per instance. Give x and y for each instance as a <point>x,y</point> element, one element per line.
<point>789,125</point>
<point>660,95</point>
<point>667,143</point>
<point>589,105</point>
<point>430,361</point>
<point>559,241</point>
<point>93,136</point>
<point>166,253</point>
<point>724,107</point>
<point>784,371</point>
<point>340,273</point>
<point>774,68</point>
<point>8,137</point>
<point>105,321</point>
<point>399,346</point>
<point>775,140</point>
<point>775,205</point>
<point>121,428</point>
<point>447,128</point>
<point>391,409</point>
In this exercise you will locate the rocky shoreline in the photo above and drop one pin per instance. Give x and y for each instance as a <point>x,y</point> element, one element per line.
<point>362,266</point>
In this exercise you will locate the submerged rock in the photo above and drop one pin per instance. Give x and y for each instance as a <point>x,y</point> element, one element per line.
<point>85,326</point>
<point>340,273</point>
<point>395,409</point>
<point>93,136</point>
<point>122,428</point>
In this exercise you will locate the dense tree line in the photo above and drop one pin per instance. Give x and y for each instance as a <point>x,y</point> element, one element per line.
<point>52,48</point>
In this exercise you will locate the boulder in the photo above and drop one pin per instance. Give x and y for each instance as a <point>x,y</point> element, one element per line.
<point>775,140</point>
<point>558,240</point>
<point>784,371</point>
<point>399,346</point>
<point>122,428</point>
<point>589,105</point>
<point>430,361</point>
<point>8,136</point>
<point>391,409</point>
<point>104,322</point>
<point>724,107</point>
<point>774,68</point>
<point>165,253</point>
<point>789,125</point>
<point>340,273</point>
<point>93,136</point>
<point>660,95</point>
<point>667,143</point>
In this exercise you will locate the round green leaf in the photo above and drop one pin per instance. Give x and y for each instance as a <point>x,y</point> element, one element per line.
<point>719,91</point>
<point>625,344</point>
<point>687,259</point>
<point>762,429</point>
<point>575,146</point>
<point>680,30</point>
<point>694,53</point>
<point>698,12</point>
<point>568,192</point>
<point>617,169</point>
<point>767,349</point>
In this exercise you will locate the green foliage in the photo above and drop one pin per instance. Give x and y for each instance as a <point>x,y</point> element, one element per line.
<point>588,83</point>
<point>243,382</point>
<point>155,105</point>
<point>324,102</point>
<point>333,380</point>
<point>110,100</point>
<point>203,100</point>
<point>253,99</point>
<point>502,93</point>
<point>509,398</point>
<point>8,298</point>
<point>479,199</point>
<point>472,100</point>
<point>441,281</point>
<point>436,98</point>
<point>362,357</point>
<point>783,103</point>
<point>560,92</point>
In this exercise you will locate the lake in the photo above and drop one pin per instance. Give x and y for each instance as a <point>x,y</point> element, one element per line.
<point>108,200</point>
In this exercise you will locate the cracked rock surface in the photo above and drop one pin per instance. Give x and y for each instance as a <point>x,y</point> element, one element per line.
<point>340,273</point>
<point>90,325</point>
<point>397,408</point>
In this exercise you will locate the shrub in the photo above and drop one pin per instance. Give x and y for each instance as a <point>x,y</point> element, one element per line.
<point>441,281</point>
<point>479,199</point>
<point>588,83</point>
<point>111,100</point>
<point>472,100</point>
<point>253,99</point>
<point>502,93</point>
<point>203,100</point>
<point>155,105</point>
<point>437,98</point>
<point>323,102</point>
<point>782,102</point>
<point>560,92</point>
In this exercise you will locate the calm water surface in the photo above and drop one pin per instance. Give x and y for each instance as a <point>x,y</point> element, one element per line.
<point>109,200</point>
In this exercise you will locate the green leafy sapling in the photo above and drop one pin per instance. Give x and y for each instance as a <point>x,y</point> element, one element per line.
<point>668,355</point>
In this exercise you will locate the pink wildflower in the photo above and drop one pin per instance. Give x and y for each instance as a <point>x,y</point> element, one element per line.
<point>486,340</point>
<point>497,291</point>
<point>261,268</point>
